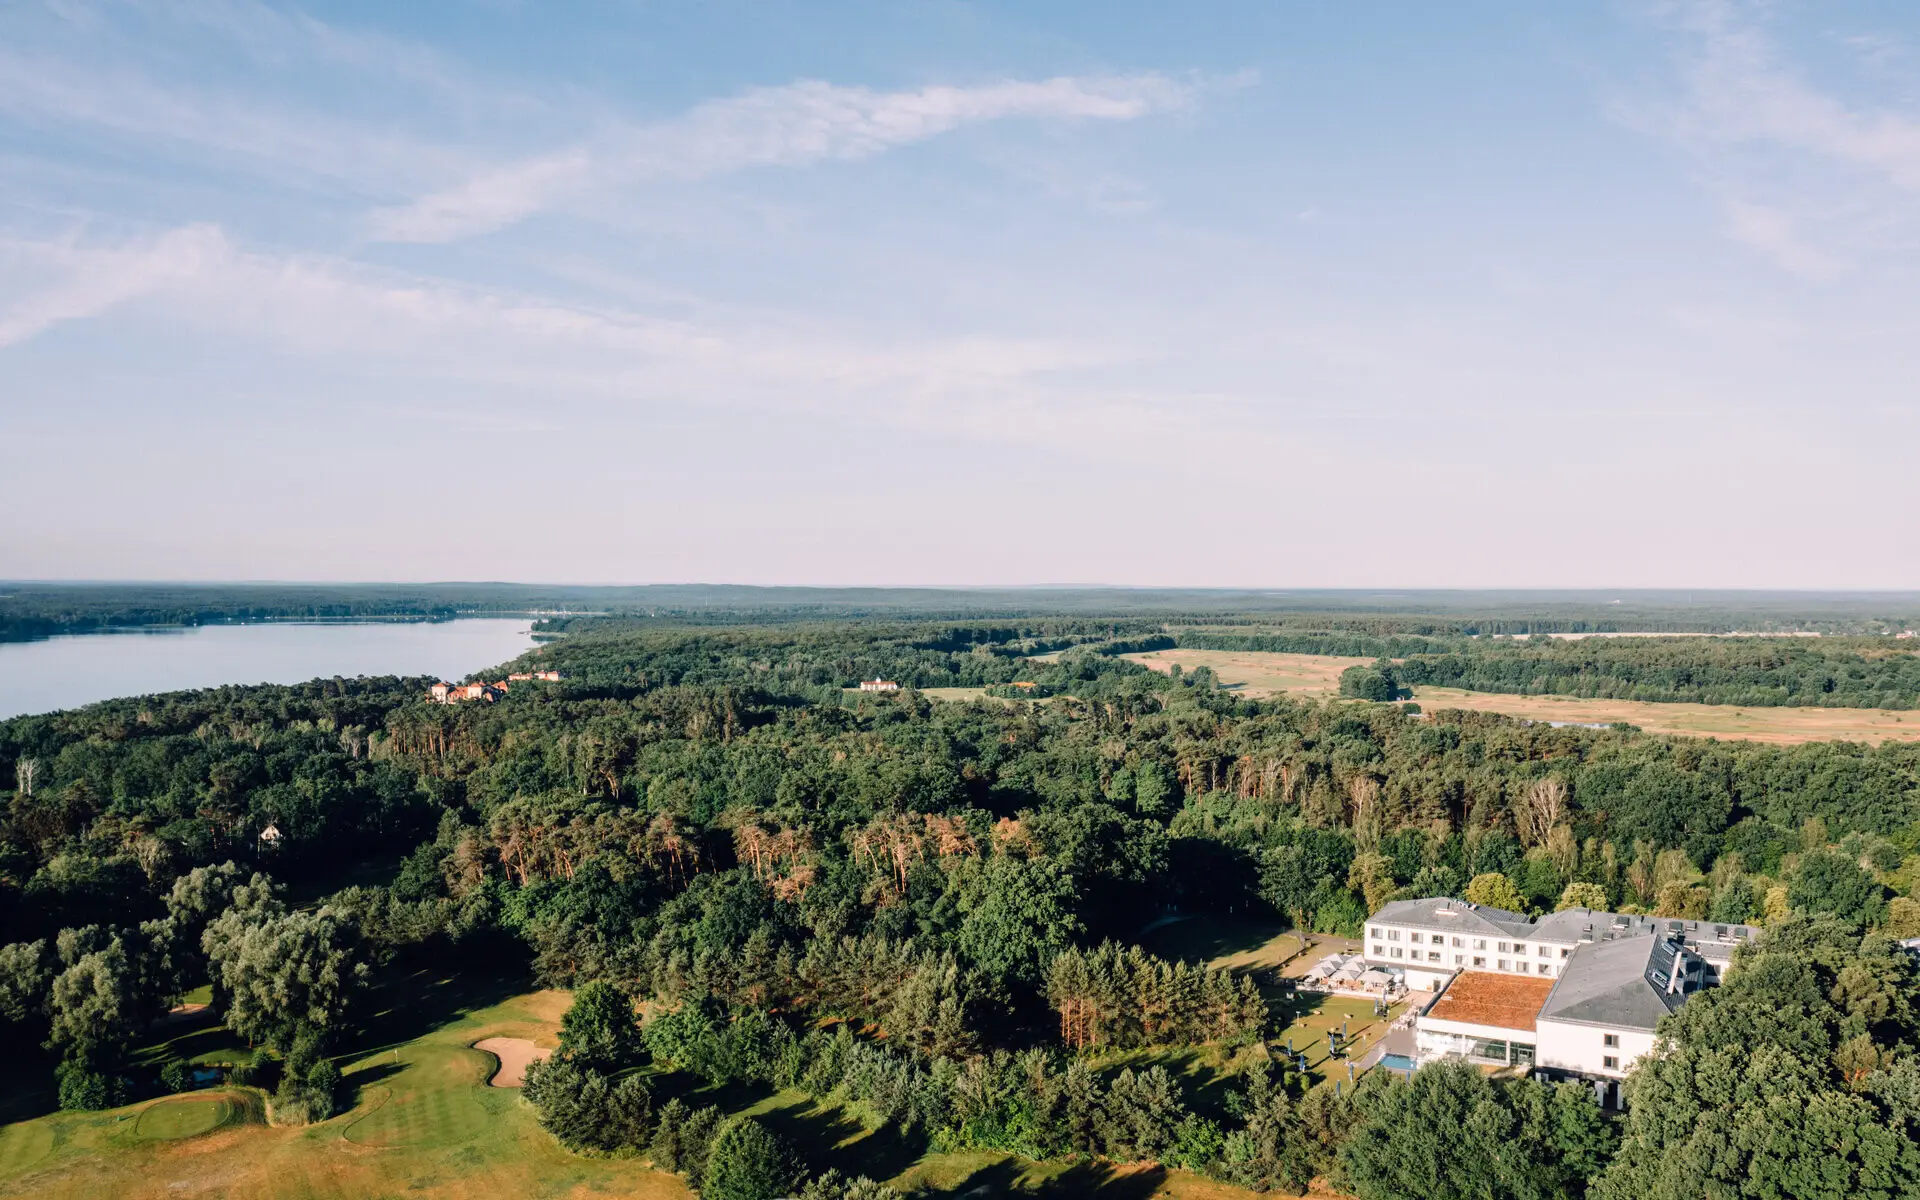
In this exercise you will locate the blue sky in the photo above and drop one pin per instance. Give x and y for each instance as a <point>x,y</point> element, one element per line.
<point>1265,294</point>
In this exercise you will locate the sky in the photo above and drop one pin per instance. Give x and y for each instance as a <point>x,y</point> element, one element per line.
<point>1268,294</point>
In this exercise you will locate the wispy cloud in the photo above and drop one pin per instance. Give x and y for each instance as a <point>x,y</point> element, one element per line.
<point>196,278</point>
<point>1791,163</point>
<point>231,85</point>
<point>805,122</point>
<point>52,283</point>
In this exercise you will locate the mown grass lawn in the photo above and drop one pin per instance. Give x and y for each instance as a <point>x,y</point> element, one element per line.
<point>425,1124</point>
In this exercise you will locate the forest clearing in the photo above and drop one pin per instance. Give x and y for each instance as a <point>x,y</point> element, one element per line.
<point>1257,673</point>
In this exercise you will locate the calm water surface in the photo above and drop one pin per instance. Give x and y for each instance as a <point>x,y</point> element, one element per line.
<point>66,672</point>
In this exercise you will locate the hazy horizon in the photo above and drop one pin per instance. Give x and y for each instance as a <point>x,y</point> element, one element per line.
<point>1501,297</point>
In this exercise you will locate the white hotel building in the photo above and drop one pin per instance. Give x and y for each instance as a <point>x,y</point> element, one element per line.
<point>1573,995</point>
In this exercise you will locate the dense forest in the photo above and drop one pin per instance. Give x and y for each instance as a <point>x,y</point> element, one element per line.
<point>934,908</point>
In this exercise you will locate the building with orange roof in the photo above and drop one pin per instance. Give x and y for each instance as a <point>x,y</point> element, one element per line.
<point>1484,1017</point>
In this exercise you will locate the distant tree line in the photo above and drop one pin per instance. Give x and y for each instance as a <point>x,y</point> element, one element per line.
<point>1754,672</point>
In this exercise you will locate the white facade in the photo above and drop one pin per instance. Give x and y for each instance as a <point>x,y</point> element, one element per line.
<point>1603,1051</point>
<point>1430,958</point>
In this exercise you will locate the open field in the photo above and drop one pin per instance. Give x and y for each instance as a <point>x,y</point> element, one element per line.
<point>424,1123</point>
<point>1257,673</point>
<point>1782,725</point>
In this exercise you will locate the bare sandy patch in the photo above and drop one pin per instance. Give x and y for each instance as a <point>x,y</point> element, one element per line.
<point>515,1055</point>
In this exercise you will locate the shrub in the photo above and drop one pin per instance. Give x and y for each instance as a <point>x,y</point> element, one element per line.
<point>746,1162</point>
<point>322,1086</point>
<point>83,1089</point>
<point>681,1138</point>
<point>629,1112</point>
<point>600,1029</point>
<point>256,1070</point>
<point>177,1075</point>
<point>572,1101</point>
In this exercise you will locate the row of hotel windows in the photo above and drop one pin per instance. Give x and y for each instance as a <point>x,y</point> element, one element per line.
<point>1460,960</point>
<point>1440,939</point>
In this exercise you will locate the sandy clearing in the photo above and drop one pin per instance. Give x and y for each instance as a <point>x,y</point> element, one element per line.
<point>515,1055</point>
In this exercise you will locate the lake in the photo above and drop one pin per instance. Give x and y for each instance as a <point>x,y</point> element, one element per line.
<point>66,672</point>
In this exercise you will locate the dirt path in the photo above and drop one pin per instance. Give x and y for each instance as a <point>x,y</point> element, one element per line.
<point>515,1055</point>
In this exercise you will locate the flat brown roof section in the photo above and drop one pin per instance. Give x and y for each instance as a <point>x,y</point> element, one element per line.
<point>1484,998</point>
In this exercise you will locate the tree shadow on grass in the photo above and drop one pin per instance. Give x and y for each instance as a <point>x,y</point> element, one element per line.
<point>26,1084</point>
<point>408,1002</point>
<point>370,1076</point>
<point>1088,1178</point>
<point>1104,1181</point>
<point>830,1136</point>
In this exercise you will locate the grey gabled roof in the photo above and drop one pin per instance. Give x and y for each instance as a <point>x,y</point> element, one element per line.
<point>1448,913</point>
<point>1612,983</point>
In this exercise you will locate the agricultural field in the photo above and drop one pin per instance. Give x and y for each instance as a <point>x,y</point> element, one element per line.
<point>426,1123</point>
<point>1779,725</point>
<point>1257,673</point>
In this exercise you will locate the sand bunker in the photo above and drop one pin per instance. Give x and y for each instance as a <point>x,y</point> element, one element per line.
<point>515,1055</point>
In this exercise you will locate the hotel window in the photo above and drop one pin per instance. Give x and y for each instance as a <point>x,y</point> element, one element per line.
<point>1459,942</point>
<point>1610,1063</point>
<point>1399,953</point>
<point>1414,938</point>
<point>1373,931</point>
<point>1393,935</point>
<point>1433,956</point>
<point>1479,961</point>
<point>1546,968</point>
<point>1610,1040</point>
<point>1505,965</point>
<point>1545,952</point>
<point>1379,951</point>
<point>1504,947</point>
<point>1458,959</point>
<point>1565,951</point>
<point>1519,947</point>
<point>1479,943</point>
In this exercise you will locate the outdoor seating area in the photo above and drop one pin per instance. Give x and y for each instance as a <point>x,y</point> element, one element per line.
<point>1350,975</point>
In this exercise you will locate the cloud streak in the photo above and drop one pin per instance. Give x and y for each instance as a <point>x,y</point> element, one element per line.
<point>797,125</point>
<point>1792,165</point>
